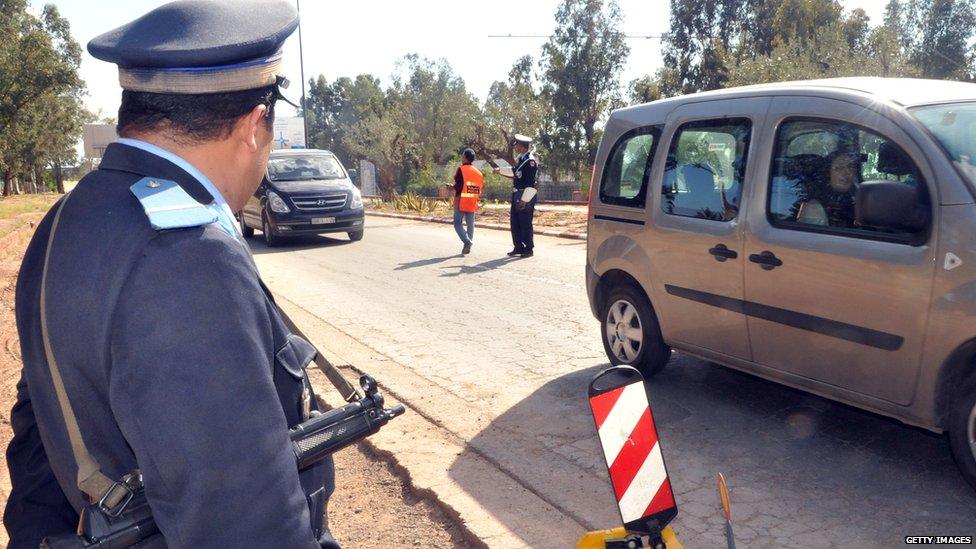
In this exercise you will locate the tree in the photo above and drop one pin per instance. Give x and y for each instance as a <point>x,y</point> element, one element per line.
<point>645,89</point>
<point>437,111</point>
<point>701,31</point>
<point>581,64</point>
<point>939,36</point>
<point>40,93</point>
<point>826,54</point>
<point>709,37</point>
<point>422,119</point>
<point>511,107</point>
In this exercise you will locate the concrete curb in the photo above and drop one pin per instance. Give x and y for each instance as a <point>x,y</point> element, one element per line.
<point>431,219</point>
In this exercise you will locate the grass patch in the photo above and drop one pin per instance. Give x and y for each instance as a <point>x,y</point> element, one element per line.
<point>12,206</point>
<point>17,211</point>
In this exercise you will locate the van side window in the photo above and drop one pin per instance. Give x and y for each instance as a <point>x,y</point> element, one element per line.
<point>818,166</point>
<point>705,169</point>
<point>626,174</point>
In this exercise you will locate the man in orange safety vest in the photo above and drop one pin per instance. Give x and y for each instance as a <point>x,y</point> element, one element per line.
<point>468,186</point>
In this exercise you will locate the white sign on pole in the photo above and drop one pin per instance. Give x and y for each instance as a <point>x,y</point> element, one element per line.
<point>96,137</point>
<point>367,178</point>
<point>289,132</point>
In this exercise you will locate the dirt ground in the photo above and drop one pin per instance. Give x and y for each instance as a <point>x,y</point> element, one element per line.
<point>564,218</point>
<point>372,506</point>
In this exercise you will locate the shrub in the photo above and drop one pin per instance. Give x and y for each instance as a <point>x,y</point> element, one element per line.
<point>424,182</point>
<point>413,203</point>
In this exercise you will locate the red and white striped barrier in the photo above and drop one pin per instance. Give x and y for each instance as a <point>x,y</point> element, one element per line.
<point>632,449</point>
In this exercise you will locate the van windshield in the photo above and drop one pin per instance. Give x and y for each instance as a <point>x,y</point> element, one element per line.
<point>954,126</point>
<point>304,168</point>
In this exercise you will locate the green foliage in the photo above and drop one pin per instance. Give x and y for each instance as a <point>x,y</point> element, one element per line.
<point>645,89</point>
<point>721,43</point>
<point>939,34</point>
<point>513,106</point>
<point>41,111</point>
<point>826,54</point>
<point>425,182</point>
<point>497,187</point>
<point>701,31</point>
<point>581,64</point>
<point>422,119</point>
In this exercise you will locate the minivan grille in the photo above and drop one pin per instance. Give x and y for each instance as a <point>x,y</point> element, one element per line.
<point>327,203</point>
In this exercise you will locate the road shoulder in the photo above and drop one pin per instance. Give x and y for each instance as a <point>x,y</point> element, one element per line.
<point>435,458</point>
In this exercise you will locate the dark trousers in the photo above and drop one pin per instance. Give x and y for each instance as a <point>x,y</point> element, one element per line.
<point>521,222</point>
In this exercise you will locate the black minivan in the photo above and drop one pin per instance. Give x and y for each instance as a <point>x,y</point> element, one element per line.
<point>304,192</point>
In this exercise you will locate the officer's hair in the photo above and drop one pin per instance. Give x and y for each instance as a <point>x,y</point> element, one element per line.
<point>193,118</point>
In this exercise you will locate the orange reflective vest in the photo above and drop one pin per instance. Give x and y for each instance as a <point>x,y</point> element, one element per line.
<point>474,183</point>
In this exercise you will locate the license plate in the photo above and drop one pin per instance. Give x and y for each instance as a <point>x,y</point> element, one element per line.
<point>323,220</point>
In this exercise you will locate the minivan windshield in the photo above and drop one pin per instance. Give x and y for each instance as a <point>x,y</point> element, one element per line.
<point>954,126</point>
<point>304,168</point>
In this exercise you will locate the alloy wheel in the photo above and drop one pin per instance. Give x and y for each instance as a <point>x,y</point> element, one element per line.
<point>624,331</point>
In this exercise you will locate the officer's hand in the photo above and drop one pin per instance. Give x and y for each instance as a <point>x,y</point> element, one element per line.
<point>495,170</point>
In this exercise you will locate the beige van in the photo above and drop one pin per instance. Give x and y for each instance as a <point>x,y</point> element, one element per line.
<point>820,234</point>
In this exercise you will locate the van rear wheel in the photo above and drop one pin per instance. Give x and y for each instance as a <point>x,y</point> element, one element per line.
<point>962,429</point>
<point>631,334</point>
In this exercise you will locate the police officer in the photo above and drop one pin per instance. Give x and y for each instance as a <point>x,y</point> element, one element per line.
<point>523,177</point>
<point>172,356</point>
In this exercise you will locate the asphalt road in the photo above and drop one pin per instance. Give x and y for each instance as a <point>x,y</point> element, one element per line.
<point>514,343</point>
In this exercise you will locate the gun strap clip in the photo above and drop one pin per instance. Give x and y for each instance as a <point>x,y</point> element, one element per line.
<point>120,494</point>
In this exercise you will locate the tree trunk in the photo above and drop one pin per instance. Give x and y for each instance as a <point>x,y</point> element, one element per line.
<point>7,180</point>
<point>387,182</point>
<point>39,185</point>
<point>59,177</point>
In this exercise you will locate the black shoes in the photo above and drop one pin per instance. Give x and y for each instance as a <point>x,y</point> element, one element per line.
<point>466,249</point>
<point>514,253</point>
<point>527,253</point>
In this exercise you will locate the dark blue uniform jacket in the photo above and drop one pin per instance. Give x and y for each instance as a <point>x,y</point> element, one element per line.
<point>525,170</point>
<point>175,361</point>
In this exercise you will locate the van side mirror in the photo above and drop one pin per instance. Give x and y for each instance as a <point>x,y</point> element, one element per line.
<point>353,174</point>
<point>891,205</point>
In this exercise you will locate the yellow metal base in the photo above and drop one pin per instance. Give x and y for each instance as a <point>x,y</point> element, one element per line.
<point>598,539</point>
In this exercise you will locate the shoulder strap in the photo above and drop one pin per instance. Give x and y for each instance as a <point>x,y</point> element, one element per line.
<point>91,480</point>
<point>169,206</point>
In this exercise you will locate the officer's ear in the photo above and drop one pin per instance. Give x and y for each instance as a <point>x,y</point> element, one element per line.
<point>251,126</point>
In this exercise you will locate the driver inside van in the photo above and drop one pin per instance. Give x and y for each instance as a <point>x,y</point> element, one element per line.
<point>836,207</point>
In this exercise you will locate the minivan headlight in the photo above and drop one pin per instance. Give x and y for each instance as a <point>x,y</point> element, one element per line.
<point>357,199</point>
<point>277,204</point>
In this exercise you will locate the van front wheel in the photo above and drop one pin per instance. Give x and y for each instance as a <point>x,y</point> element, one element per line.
<point>962,429</point>
<point>631,334</point>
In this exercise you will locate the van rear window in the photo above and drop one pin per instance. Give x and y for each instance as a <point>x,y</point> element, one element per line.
<point>629,167</point>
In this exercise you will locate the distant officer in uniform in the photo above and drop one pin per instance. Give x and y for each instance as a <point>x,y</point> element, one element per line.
<point>523,177</point>
<point>173,356</point>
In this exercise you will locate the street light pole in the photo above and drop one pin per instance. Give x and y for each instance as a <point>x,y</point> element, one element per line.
<point>301,62</point>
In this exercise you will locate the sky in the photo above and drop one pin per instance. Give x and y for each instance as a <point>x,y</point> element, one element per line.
<point>368,36</point>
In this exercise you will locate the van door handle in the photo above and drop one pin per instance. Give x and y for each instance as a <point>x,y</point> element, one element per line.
<point>722,252</point>
<point>767,260</point>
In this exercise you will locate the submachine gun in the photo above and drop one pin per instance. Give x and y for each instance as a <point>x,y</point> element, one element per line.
<point>123,519</point>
